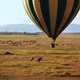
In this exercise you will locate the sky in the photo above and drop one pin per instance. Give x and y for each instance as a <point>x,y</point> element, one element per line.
<point>12,12</point>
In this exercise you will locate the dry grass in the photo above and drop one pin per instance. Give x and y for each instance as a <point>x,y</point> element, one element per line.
<point>60,63</point>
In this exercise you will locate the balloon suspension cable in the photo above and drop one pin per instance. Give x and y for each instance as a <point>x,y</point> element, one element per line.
<point>52,44</point>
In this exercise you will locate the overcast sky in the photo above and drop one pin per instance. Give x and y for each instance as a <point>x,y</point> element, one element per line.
<point>12,12</point>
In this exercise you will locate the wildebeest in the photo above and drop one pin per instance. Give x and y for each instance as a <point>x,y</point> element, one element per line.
<point>39,59</point>
<point>31,59</point>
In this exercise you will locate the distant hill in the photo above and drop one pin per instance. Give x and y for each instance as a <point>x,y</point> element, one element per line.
<point>19,28</point>
<point>32,28</point>
<point>72,28</point>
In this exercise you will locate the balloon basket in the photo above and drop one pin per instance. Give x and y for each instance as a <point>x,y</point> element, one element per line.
<point>52,45</point>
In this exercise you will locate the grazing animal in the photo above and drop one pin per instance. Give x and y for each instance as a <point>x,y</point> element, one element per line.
<point>39,59</point>
<point>31,59</point>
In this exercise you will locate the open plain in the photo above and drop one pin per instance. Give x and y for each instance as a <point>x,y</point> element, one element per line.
<point>59,63</point>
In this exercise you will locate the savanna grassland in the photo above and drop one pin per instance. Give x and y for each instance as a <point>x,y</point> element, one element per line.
<point>59,63</point>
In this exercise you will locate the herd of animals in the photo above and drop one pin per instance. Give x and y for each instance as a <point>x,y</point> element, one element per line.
<point>31,59</point>
<point>38,60</point>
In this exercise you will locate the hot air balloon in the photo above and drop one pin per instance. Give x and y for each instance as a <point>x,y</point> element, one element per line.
<point>52,16</point>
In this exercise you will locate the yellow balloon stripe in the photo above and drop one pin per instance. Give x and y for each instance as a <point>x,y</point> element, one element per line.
<point>37,8</point>
<point>68,10</point>
<point>27,9</point>
<point>29,13</point>
<point>53,9</point>
<point>72,17</point>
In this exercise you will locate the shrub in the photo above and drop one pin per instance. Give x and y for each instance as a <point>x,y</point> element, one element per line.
<point>67,74</point>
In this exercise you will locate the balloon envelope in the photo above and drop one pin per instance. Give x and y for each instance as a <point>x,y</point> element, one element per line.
<point>52,16</point>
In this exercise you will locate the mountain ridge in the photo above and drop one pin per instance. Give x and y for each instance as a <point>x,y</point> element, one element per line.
<point>33,28</point>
